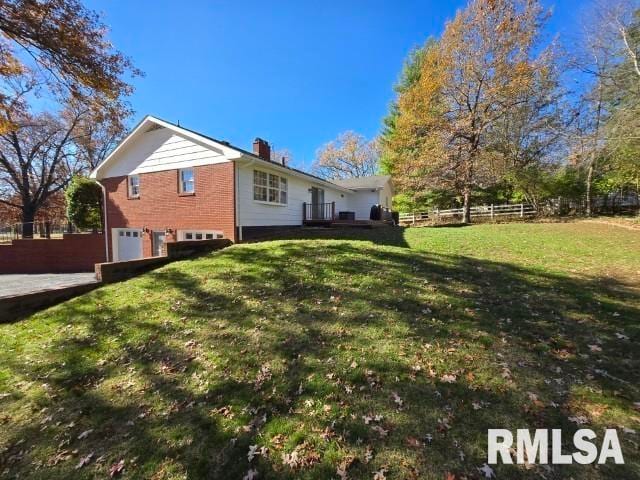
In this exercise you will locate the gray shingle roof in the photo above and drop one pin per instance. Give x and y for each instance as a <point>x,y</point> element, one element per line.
<point>374,181</point>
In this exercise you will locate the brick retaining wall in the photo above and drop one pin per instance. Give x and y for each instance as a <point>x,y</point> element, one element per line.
<point>19,306</point>
<point>116,271</point>
<point>14,308</point>
<point>74,252</point>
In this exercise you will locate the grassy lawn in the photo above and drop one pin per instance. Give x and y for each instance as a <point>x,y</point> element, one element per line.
<point>389,351</point>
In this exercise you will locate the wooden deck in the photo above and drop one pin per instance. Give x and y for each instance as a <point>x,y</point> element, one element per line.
<point>324,215</point>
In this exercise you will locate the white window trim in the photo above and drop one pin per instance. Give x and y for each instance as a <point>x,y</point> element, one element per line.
<point>181,191</point>
<point>182,234</point>
<point>271,204</point>
<point>280,190</point>
<point>129,194</point>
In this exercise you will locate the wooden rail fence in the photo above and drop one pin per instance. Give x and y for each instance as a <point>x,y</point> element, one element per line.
<point>492,211</point>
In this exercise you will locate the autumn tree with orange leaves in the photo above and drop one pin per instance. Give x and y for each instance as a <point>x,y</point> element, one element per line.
<point>486,67</point>
<point>66,43</point>
<point>60,50</point>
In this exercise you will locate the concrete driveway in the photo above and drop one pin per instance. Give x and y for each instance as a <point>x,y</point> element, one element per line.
<point>15,285</point>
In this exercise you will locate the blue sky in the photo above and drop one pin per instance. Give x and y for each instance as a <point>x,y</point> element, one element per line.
<point>296,73</point>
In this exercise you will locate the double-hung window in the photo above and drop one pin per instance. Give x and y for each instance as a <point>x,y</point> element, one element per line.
<point>133,186</point>
<point>269,188</point>
<point>259,186</point>
<point>283,190</point>
<point>186,181</point>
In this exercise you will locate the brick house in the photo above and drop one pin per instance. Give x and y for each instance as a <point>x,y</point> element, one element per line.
<point>166,183</point>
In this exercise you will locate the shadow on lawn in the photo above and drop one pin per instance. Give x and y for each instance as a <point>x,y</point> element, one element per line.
<point>391,236</point>
<point>308,309</point>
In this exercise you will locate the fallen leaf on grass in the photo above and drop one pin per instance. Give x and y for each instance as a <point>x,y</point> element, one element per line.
<point>368,419</point>
<point>368,454</point>
<point>84,434</point>
<point>380,474</point>
<point>60,456</point>
<point>380,431</point>
<point>448,378</point>
<point>251,474</point>
<point>344,465</point>
<point>487,471</point>
<point>253,451</point>
<point>443,425</point>
<point>413,442</point>
<point>534,398</point>
<point>84,461</point>
<point>578,419</point>
<point>303,456</point>
<point>116,469</point>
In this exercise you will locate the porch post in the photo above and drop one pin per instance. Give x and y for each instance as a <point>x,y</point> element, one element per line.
<point>333,210</point>
<point>304,211</point>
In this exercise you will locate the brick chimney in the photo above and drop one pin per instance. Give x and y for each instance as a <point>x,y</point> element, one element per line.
<point>262,149</point>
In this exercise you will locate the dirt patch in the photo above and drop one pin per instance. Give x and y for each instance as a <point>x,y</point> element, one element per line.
<point>628,223</point>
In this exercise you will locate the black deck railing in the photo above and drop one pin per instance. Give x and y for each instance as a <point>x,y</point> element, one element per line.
<point>319,212</point>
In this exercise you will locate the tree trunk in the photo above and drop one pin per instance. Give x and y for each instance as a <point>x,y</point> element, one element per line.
<point>589,180</point>
<point>468,181</point>
<point>28,217</point>
<point>466,206</point>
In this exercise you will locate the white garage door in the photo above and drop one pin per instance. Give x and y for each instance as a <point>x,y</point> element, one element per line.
<point>129,244</point>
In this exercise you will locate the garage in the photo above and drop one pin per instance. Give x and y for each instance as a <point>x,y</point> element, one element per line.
<point>127,244</point>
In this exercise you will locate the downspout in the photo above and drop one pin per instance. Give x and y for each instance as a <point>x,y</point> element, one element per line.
<point>104,214</point>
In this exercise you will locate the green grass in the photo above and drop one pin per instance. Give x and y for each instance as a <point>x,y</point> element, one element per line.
<point>292,345</point>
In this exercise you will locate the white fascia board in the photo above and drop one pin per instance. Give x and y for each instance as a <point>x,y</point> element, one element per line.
<point>229,152</point>
<point>248,160</point>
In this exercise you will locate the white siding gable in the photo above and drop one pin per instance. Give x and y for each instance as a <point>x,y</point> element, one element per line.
<point>161,149</point>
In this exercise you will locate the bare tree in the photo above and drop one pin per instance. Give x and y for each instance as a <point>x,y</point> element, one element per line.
<point>607,43</point>
<point>98,130</point>
<point>350,155</point>
<point>38,157</point>
<point>616,22</point>
<point>282,156</point>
